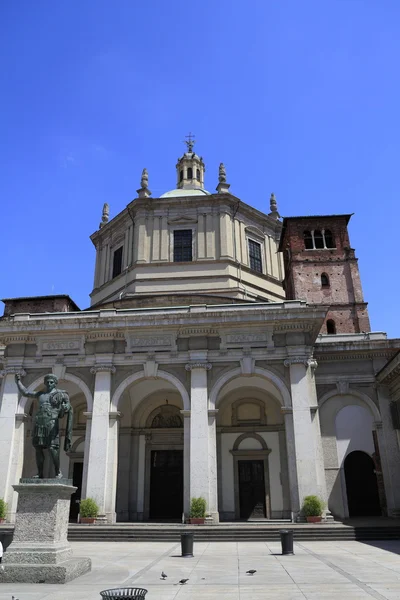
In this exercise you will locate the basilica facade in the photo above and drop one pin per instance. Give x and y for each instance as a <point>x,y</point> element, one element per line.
<point>226,353</point>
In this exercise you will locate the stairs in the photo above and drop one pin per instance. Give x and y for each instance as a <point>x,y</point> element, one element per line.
<point>229,533</point>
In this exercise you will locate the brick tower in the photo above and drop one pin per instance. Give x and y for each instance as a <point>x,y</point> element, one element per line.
<point>321,268</point>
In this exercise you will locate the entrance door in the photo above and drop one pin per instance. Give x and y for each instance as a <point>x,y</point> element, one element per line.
<point>166,484</point>
<point>251,489</point>
<point>361,485</point>
<point>77,482</point>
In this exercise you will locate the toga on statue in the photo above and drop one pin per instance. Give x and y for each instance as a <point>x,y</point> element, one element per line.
<point>53,405</point>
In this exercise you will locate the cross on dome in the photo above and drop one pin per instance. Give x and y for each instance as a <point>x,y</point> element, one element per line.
<point>190,142</point>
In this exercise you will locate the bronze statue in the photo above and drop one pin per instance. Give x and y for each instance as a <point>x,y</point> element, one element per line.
<point>53,405</point>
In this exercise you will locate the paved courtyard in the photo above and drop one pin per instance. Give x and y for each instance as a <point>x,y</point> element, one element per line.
<point>318,571</point>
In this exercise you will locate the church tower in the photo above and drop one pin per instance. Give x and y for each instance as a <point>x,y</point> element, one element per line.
<point>321,268</point>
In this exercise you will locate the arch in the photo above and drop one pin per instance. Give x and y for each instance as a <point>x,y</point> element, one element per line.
<point>256,436</point>
<point>76,444</point>
<point>329,241</point>
<point>272,377</point>
<point>141,375</point>
<point>190,173</point>
<point>331,327</point>
<point>360,395</point>
<point>325,280</point>
<point>67,377</point>
<point>198,174</point>
<point>181,175</point>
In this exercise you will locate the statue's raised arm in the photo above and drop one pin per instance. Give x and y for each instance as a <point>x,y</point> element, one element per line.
<point>22,389</point>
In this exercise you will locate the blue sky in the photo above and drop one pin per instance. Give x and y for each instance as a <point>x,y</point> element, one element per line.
<point>296,97</point>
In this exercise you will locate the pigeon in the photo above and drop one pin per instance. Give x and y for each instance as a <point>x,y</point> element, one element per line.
<point>251,572</point>
<point>164,575</point>
<point>183,581</point>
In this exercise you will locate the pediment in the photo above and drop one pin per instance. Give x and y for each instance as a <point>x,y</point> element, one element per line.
<point>255,231</point>
<point>182,220</point>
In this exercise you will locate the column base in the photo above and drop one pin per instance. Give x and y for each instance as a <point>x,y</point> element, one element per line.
<point>212,518</point>
<point>45,573</point>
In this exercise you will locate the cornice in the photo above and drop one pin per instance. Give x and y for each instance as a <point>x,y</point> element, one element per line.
<point>12,371</point>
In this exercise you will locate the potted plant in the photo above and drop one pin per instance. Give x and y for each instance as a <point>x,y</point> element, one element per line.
<point>3,510</point>
<point>88,510</point>
<point>313,507</point>
<point>197,511</point>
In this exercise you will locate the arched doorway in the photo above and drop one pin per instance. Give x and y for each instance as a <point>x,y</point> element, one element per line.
<point>361,485</point>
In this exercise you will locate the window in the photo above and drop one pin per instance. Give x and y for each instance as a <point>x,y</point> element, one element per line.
<point>183,245</point>
<point>308,240</point>
<point>324,280</point>
<point>190,173</point>
<point>198,174</point>
<point>255,256</point>
<point>318,239</point>
<point>117,262</point>
<point>329,243</point>
<point>181,175</point>
<point>330,327</point>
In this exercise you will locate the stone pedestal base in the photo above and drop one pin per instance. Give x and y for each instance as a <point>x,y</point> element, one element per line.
<point>40,552</point>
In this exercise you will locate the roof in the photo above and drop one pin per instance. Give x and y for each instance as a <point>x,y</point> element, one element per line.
<point>305,217</point>
<point>51,297</point>
<point>185,192</point>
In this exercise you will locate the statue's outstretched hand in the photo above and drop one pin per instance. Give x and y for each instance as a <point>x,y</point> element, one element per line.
<point>17,377</point>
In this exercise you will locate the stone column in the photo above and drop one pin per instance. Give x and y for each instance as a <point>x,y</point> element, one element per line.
<point>10,438</point>
<point>212,465</point>
<point>186,461</point>
<point>389,452</point>
<point>306,452</point>
<point>203,475</point>
<point>99,477</point>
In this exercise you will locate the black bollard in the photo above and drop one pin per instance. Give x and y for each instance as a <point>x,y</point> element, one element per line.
<point>187,544</point>
<point>286,541</point>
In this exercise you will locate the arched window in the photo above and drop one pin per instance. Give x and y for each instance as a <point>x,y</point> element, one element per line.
<point>318,239</point>
<point>330,327</point>
<point>198,174</point>
<point>324,280</point>
<point>308,241</point>
<point>190,173</point>
<point>181,176</point>
<point>329,241</point>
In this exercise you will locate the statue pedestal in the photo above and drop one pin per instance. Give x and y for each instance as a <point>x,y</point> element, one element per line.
<point>40,552</point>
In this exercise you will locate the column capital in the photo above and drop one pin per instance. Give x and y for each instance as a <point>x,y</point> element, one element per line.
<point>301,360</point>
<point>21,417</point>
<point>115,415</point>
<point>87,414</point>
<point>198,365</point>
<point>102,368</point>
<point>12,371</point>
<point>378,424</point>
<point>185,413</point>
<point>212,412</point>
<point>286,410</point>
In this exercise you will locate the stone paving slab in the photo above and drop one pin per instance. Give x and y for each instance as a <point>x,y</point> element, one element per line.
<point>318,571</point>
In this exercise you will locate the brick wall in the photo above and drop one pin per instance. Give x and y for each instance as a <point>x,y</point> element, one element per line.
<point>304,269</point>
<point>39,304</point>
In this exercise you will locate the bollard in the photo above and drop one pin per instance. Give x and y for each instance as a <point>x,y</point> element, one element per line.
<point>187,544</point>
<point>286,541</point>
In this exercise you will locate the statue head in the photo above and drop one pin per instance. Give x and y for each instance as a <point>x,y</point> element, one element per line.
<point>50,381</point>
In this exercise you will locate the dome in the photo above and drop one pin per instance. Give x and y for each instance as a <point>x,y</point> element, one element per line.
<point>185,192</point>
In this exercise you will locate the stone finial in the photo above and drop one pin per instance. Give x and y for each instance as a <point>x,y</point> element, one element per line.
<point>144,181</point>
<point>144,191</point>
<point>105,215</point>
<point>222,173</point>
<point>222,187</point>
<point>273,207</point>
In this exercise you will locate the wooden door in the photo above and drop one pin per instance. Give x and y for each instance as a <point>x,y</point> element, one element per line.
<point>251,489</point>
<point>166,484</point>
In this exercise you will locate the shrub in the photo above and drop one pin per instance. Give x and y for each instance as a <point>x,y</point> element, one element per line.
<point>88,508</point>
<point>3,508</point>
<point>313,506</point>
<point>198,508</point>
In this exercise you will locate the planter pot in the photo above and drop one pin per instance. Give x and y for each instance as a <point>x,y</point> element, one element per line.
<point>314,519</point>
<point>88,520</point>
<point>2,521</point>
<point>197,521</point>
